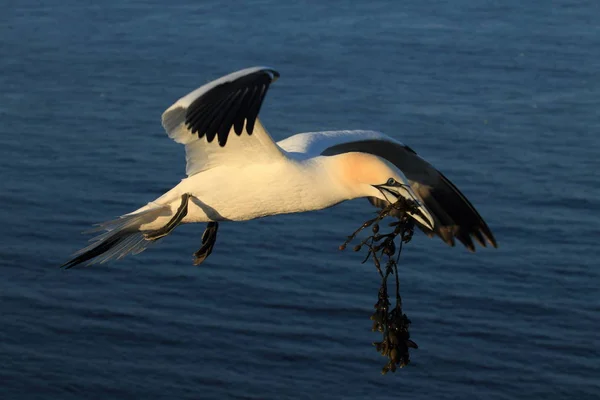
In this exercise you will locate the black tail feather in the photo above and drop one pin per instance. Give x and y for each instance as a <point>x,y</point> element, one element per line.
<point>102,248</point>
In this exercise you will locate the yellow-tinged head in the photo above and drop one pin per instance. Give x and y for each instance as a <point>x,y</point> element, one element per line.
<point>362,173</point>
<point>366,175</point>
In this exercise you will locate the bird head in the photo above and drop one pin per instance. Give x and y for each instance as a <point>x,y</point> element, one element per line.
<point>366,175</point>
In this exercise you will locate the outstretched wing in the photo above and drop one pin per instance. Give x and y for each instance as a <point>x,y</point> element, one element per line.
<point>454,215</point>
<point>226,110</point>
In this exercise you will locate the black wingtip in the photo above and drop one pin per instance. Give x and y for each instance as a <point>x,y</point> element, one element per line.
<point>274,74</point>
<point>230,104</point>
<point>479,238</point>
<point>491,240</point>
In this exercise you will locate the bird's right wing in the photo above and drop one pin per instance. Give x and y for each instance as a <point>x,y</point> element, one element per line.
<point>454,215</point>
<point>227,110</point>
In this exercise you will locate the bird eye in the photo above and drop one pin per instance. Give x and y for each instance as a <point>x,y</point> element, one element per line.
<point>391,182</point>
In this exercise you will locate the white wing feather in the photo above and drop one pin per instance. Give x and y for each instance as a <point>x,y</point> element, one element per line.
<point>240,149</point>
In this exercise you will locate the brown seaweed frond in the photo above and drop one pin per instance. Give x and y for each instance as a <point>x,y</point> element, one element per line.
<point>392,324</point>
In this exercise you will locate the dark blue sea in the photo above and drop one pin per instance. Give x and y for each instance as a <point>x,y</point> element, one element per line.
<point>503,97</point>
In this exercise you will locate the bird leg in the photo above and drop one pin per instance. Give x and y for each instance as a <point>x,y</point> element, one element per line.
<point>209,237</point>
<point>173,222</point>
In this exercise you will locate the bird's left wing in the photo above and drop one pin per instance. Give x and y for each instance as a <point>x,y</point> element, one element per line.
<point>454,215</point>
<point>226,110</point>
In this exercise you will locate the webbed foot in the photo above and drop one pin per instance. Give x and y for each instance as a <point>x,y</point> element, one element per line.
<point>209,238</point>
<point>172,224</point>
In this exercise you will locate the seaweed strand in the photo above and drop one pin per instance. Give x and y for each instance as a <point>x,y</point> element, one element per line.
<point>392,324</point>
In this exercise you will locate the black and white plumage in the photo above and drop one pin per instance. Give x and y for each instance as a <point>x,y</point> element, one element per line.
<point>454,215</point>
<point>236,172</point>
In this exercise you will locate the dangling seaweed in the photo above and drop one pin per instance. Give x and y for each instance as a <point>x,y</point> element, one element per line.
<point>392,324</point>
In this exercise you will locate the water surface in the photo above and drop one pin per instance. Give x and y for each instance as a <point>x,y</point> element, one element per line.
<point>503,98</point>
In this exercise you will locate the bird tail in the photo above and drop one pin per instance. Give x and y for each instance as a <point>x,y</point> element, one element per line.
<point>122,236</point>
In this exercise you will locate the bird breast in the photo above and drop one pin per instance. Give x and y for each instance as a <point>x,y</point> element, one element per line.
<point>259,190</point>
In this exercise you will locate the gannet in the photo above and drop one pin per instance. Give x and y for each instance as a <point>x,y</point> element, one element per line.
<point>236,172</point>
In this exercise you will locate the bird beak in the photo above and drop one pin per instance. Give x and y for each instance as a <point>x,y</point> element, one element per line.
<point>393,192</point>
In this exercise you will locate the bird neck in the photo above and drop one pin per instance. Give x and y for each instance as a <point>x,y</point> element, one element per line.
<point>322,178</point>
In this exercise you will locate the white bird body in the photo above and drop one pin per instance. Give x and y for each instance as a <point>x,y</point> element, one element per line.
<point>246,175</point>
<point>236,193</point>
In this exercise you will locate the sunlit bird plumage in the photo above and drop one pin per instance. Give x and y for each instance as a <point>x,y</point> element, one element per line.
<point>236,172</point>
